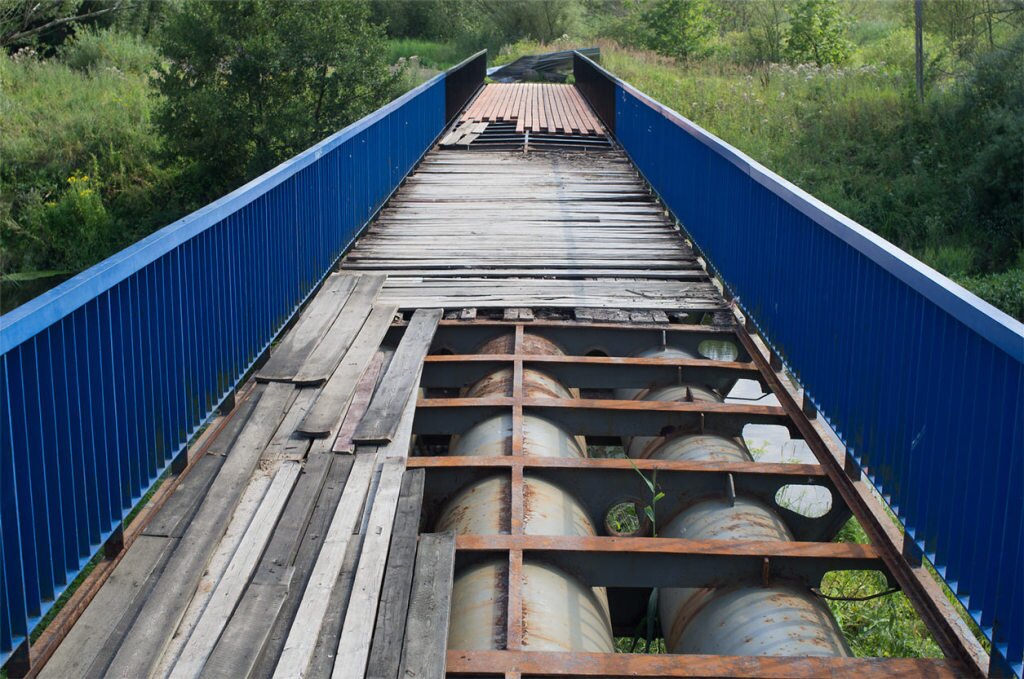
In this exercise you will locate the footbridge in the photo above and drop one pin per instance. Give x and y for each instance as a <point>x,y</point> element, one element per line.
<point>485,383</point>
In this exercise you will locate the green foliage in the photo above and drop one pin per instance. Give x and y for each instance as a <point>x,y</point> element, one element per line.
<point>941,180</point>
<point>93,50</point>
<point>674,28</point>
<point>817,33</point>
<point>260,81</point>
<point>886,626</point>
<point>1002,290</point>
<point>57,121</point>
<point>75,229</point>
<point>440,20</point>
<point>436,55</point>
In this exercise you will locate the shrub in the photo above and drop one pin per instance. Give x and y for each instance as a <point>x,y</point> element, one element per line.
<point>1002,290</point>
<point>93,50</point>
<point>818,33</point>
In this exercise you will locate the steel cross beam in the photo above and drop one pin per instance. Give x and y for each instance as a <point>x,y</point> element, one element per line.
<point>643,562</point>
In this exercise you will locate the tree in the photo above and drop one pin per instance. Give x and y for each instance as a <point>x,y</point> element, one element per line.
<point>768,29</point>
<point>249,84</point>
<point>817,33</point>
<point>919,48</point>
<point>675,28</point>
<point>24,22</point>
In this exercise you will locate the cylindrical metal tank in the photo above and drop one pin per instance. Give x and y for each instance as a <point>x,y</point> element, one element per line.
<point>541,438</point>
<point>746,619</point>
<point>536,384</point>
<point>784,619</point>
<point>644,446</point>
<point>559,613</point>
<point>532,344</point>
<point>628,394</point>
<point>482,508</point>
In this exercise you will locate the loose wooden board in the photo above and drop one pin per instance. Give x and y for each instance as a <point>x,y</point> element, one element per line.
<point>330,407</point>
<point>401,379</point>
<point>426,631</point>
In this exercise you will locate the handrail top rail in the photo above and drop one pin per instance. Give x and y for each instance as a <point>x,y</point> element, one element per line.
<point>998,327</point>
<point>37,314</point>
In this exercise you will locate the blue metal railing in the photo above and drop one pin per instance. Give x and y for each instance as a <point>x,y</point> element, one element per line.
<point>923,381</point>
<point>104,379</point>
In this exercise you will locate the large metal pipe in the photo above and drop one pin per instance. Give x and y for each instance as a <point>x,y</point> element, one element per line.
<point>559,612</point>
<point>778,618</point>
<point>482,508</point>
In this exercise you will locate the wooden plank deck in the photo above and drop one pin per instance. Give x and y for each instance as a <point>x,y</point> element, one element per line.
<point>290,548</point>
<point>541,229</point>
<point>536,107</point>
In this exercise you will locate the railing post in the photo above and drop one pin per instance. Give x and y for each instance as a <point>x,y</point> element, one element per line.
<point>115,543</point>
<point>20,662</point>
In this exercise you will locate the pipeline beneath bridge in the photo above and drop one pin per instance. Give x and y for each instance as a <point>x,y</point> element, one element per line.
<point>778,618</point>
<point>560,613</point>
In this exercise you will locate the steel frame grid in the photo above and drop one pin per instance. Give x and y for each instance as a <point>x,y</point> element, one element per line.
<point>600,557</point>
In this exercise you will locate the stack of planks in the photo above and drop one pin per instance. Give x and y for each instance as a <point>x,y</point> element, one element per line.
<point>531,230</point>
<point>249,567</point>
<point>534,107</point>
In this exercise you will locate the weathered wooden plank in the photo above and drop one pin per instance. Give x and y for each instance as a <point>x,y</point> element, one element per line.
<point>381,419</point>
<point>326,357</point>
<point>215,568</point>
<point>354,645</point>
<point>386,648</point>
<point>242,644</point>
<point>326,415</point>
<point>426,631</point>
<point>298,648</point>
<point>286,360</point>
<point>310,544</point>
<point>327,643</point>
<point>231,585</point>
<point>357,408</point>
<point>244,640</point>
<point>98,624</point>
<point>172,518</point>
<point>288,442</point>
<point>229,434</point>
<point>165,605</point>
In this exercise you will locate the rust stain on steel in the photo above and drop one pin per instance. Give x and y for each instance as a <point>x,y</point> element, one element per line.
<point>742,548</point>
<point>479,605</point>
<point>540,437</point>
<point>695,466</point>
<point>531,345</point>
<point>606,404</point>
<point>644,666</point>
<point>918,584</point>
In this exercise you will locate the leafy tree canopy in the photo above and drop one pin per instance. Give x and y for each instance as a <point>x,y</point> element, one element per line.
<point>676,28</point>
<point>818,33</point>
<point>249,84</point>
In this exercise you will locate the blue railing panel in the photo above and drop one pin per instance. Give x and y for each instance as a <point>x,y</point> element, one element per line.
<point>923,381</point>
<point>104,379</point>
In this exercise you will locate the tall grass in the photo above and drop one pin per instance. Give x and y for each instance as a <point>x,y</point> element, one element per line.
<point>436,55</point>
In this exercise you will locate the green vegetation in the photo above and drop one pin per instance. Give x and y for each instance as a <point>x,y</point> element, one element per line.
<point>885,626</point>
<point>128,102</point>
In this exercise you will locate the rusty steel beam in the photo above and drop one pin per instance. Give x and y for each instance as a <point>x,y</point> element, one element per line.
<point>604,404</point>
<point>925,594</point>
<point>840,551</point>
<point>597,360</point>
<point>795,470</point>
<point>650,666</point>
